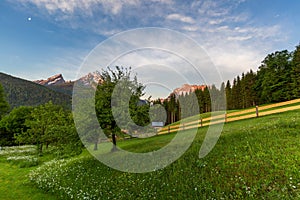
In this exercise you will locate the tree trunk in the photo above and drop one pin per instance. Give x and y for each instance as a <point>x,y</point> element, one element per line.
<point>40,149</point>
<point>96,146</point>
<point>114,142</point>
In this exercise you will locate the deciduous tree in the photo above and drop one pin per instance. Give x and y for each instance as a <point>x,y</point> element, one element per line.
<point>117,102</point>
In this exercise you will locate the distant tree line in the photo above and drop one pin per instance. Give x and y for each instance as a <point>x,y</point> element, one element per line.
<point>277,79</point>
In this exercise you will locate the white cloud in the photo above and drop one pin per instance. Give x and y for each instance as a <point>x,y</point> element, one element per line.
<point>190,28</point>
<point>181,18</point>
<point>163,1</point>
<point>239,38</point>
<point>216,22</point>
<point>69,7</point>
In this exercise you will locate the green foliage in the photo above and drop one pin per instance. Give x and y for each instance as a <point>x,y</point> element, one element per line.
<point>117,102</point>
<point>67,142</point>
<point>13,124</point>
<point>296,73</point>
<point>50,124</point>
<point>242,94</point>
<point>274,77</point>
<point>26,93</point>
<point>4,106</point>
<point>172,107</point>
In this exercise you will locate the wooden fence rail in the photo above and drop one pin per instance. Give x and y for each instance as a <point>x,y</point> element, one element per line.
<point>234,116</point>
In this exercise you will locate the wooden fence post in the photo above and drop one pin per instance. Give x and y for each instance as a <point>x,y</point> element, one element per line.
<point>201,124</point>
<point>256,111</point>
<point>168,129</point>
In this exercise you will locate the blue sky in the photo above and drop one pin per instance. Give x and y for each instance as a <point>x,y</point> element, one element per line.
<point>40,38</point>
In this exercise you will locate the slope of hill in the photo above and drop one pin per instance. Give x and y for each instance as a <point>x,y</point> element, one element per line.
<point>21,92</point>
<point>253,159</point>
<point>65,88</point>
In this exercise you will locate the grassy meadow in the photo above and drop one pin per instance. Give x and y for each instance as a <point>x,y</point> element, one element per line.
<point>257,158</point>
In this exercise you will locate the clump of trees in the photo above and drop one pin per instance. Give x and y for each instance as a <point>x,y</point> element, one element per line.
<point>50,124</point>
<point>43,125</point>
<point>276,80</point>
<point>14,123</point>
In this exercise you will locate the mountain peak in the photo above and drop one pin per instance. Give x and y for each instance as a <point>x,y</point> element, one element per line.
<point>92,78</point>
<point>53,80</point>
<point>186,89</point>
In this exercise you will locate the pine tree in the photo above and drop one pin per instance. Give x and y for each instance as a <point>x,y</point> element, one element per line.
<point>206,100</point>
<point>222,98</point>
<point>199,94</point>
<point>235,94</point>
<point>249,95</point>
<point>228,92</point>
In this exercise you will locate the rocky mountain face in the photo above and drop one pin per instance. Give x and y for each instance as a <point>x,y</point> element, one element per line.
<point>57,82</point>
<point>91,78</point>
<point>183,90</point>
<point>53,80</point>
<point>186,89</point>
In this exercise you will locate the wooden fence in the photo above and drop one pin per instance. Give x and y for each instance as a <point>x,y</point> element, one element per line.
<point>234,116</point>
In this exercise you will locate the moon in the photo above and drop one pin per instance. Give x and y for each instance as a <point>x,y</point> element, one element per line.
<point>29,18</point>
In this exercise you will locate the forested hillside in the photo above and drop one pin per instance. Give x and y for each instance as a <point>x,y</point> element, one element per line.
<point>277,79</point>
<point>65,88</point>
<point>26,93</point>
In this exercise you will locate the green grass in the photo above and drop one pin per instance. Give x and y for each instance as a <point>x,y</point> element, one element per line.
<point>14,183</point>
<point>146,145</point>
<point>257,158</point>
<point>253,159</point>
